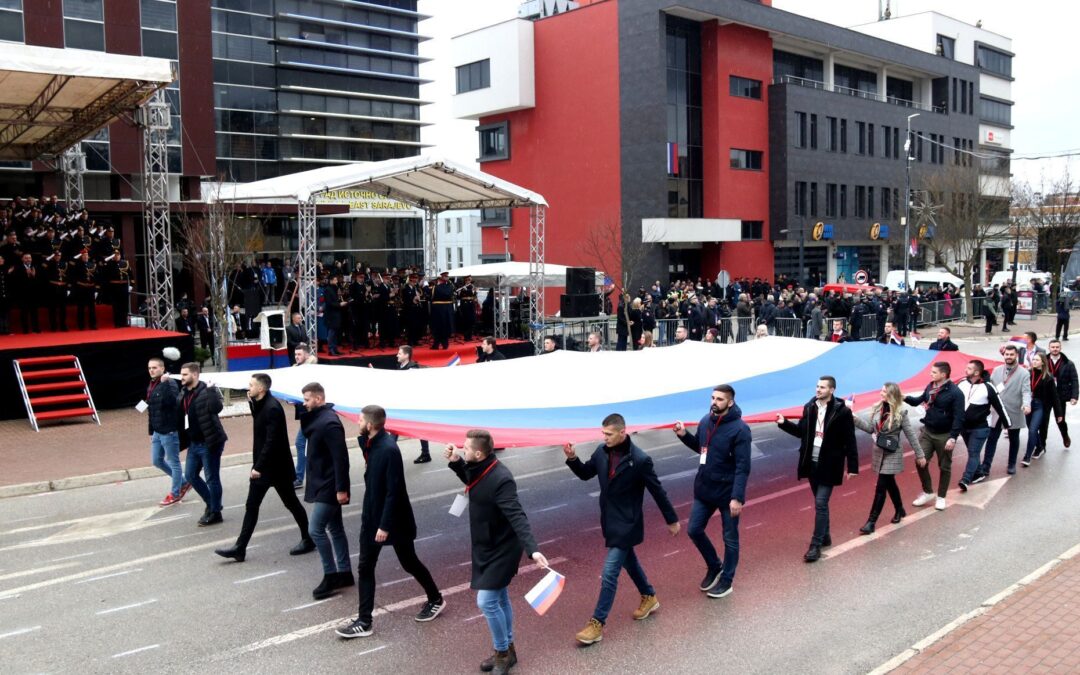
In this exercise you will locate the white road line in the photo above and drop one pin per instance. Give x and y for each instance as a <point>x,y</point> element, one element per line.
<point>467,562</point>
<point>594,528</point>
<point>261,576</point>
<point>310,604</point>
<point>135,651</point>
<point>72,557</point>
<point>668,555</point>
<point>374,649</point>
<point>140,501</point>
<point>678,474</point>
<point>848,494</point>
<point>395,581</point>
<point>21,631</point>
<point>185,536</point>
<point>37,570</point>
<point>594,494</point>
<point>9,597</point>
<point>473,618</point>
<point>773,480</point>
<point>108,576</point>
<point>664,459</point>
<point>806,508</point>
<point>549,541</point>
<point>25,520</point>
<point>442,470</point>
<point>234,506</point>
<point>549,508</point>
<point>749,527</point>
<point>682,504</point>
<point>276,518</point>
<point>120,609</point>
<point>430,536</point>
<point>327,625</point>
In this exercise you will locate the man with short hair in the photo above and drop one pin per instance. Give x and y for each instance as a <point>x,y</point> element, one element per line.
<point>943,421</point>
<point>488,351</point>
<point>204,438</point>
<point>980,397</point>
<point>838,334</point>
<point>301,356</point>
<point>827,441</point>
<point>595,342</point>
<point>327,488</point>
<point>161,402</point>
<point>1030,349</point>
<point>271,467</point>
<point>723,444</point>
<point>681,335</point>
<point>624,472</point>
<point>500,533</point>
<point>1063,371</point>
<point>550,346</point>
<point>889,336</point>
<point>1013,384</point>
<point>405,362</point>
<point>386,519</point>
<point>944,342</point>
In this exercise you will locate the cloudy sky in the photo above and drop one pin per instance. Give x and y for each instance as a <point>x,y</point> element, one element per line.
<point>1044,34</point>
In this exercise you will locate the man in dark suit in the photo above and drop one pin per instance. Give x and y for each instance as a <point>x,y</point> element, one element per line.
<point>294,333</point>
<point>205,326</point>
<point>827,439</point>
<point>944,342</point>
<point>26,289</point>
<point>386,519</point>
<point>272,467</point>
<point>184,323</point>
<point>624,472</point>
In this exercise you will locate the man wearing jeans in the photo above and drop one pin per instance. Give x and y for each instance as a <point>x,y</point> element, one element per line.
<point>161,397</point>
<point>624,472</point>
<point>723,445</point>
<point>826,432</point>
<point>327,488</point>
<point>943,420</point>
<point>979,398</point>
<point>1013,384</point>
<point>301,356</point>
<point>204,438</point>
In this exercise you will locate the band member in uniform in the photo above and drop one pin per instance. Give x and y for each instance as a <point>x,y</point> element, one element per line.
<point>116,278</point>
<point>26,286</point>
<point>80,274</point>
<point>56,291</point>
<point>442,312</point>
<point>467,308</point>
<point>380,298</point>
<point>359,300</point>
<point>412,299</point>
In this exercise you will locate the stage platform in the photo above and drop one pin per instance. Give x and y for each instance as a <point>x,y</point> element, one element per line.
<point>113,359</point>
<point>253,357</point>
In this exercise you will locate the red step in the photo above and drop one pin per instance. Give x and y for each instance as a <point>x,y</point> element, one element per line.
<point>55,386</point>
<point>54,400</point>
<point>42,360</point>
<point>60,414</point>
<point>47,374</point>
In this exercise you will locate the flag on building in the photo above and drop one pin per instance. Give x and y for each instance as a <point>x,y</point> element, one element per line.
<point>673,159</point>
<point>544,594</point>
<point>914,246</point>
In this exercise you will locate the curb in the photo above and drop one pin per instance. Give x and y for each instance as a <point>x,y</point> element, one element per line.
<point>920,646</point>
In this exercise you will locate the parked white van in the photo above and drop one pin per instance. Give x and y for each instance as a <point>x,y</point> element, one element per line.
<point>894,280</point>
<point>1023,278</point>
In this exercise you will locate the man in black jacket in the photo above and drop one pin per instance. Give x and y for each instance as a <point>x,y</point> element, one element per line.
<point>1064,372</point>
<point>500,533</point>
<point>827,441</point>
<point>271,467</point>
<point>488,351</point>
<point>944,342</point>
<point>327,487</point>
<point>387,518</point>
<point>405,362</point>
<point>161,398</point>
<point>294,333</point>
<point>723,444</point>
<point>942,423</point>
<point>204,438</point>
<point>624,472</point>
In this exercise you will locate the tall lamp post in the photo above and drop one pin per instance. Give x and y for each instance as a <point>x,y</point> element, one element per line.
<point>907,201</point>
<point>802,264</point>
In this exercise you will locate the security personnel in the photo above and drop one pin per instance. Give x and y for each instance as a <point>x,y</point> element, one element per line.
<point>467,308</point>
<point>442,312</point>
<point>80,276</point>
<point>56,291</point>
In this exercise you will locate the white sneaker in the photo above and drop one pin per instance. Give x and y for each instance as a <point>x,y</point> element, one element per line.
<point>923,499</point>
<point>940,504</point>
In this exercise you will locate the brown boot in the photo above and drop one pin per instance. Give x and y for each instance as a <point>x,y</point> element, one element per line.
<point>649,604</point>
<point>592,632</point>
<point>489,663</point>
<point>501,663</point>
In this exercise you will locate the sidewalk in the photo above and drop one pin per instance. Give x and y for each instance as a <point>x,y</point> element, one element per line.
<point>1032,627</point>
<point>1043,325</point>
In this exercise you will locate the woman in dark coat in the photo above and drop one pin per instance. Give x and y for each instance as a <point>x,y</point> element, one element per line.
<point>635,324</point>
<point>1044,401</point>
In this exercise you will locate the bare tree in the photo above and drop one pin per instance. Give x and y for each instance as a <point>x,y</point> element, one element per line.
<point>602,248</point>
<point>1051,211</point>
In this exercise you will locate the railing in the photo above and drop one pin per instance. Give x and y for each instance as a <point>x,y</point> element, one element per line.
<point>942,311</point>
<point>848,91</point>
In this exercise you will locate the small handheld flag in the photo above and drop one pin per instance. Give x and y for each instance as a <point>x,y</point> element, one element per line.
<point>454,361</point>
<point>544,594</point>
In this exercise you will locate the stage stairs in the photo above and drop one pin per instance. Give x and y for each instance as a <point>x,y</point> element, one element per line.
<point>54,387</point>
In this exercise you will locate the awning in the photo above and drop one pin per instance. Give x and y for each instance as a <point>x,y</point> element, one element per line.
<point>514,274</point>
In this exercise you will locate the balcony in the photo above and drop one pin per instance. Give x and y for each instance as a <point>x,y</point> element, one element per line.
<point>847,91</point>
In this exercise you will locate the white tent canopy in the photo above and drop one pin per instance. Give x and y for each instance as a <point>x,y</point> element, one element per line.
<point>514,274</point>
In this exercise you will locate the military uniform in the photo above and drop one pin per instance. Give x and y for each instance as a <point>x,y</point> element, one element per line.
<point>80,275</point>
<point>56,292</point>
<point>117,279</point>
<point>467,308</point>
<point>442,314</point>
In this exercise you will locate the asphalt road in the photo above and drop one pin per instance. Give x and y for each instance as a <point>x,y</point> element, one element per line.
<point>101,580</point>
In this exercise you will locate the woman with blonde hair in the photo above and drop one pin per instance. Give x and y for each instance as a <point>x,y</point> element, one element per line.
<point>887,422</point>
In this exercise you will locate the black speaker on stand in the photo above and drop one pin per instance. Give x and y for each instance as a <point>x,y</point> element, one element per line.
<point>581,298</point>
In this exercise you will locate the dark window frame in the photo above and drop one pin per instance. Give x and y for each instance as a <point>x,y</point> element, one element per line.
<point>744,87</point>
<point>502,127</point>
<point>746,160</point>
<point>752,230</point>
<point>472,76</point>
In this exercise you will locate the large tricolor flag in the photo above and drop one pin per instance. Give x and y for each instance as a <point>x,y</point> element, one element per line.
<point>544,594</point>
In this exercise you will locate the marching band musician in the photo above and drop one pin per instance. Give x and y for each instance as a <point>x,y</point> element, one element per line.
<point>442,312</point>
<point>56,290</point>
<point>80,275</point>
<point>467,307</point>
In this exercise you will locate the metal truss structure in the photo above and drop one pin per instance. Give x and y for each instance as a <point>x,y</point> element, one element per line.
<point>155,122</point>
<point>431,255</point>
<point>306,268</point>
<point>537,233</point>
<point>73,165</point>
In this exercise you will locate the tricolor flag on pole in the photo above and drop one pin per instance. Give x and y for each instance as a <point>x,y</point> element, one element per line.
<point>914,246</point>
<point>544,594</point>
<point>456,359</point>
<point>673,159</point>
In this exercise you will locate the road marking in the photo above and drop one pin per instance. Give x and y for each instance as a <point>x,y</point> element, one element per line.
<point>310,604</point>
<point>327,625</point>
<point>141,501</point>
<point>664,459</point>
<point>678,475</point>
<point>549,541</point>
<point>375,649</point>
<point>135,651</point>
<point>72,557</point>
<point>9,597</point>
<point>848,494</point>
<point>395,581</point>
<point>594,528</point>
<point>261,576</point>
<point>594,494</point>
<point>186,536</point>
<point>443,469</point>
<point>25,520</point>
<point>234,506</point>
<point>467,562</point>
<point>277,518</point>
<point>773,480</point>
<point>668,555</point>
<point>37,570</point>
<point>750,527</point>
<point>682,504</point>
<point>806,508</point>
<point>120,609</point>
<point>430,536</point>
<point>473,618</point>
<point>108,576</point>
<point>549,508</point>
<point>20,631</point>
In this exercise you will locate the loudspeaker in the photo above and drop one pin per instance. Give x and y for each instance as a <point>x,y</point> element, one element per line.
<point>580,305</point>
<point>580,280</point>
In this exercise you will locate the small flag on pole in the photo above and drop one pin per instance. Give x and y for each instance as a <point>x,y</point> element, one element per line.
<point>914,246</point>
<point>454,361</point>
<point>673,159</point>
<point>544,594</point>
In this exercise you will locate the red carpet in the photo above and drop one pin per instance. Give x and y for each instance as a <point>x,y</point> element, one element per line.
<point>425,356</point>
<point>82,337</point>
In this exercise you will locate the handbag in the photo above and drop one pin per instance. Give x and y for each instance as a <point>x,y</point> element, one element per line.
<point>888,441</point>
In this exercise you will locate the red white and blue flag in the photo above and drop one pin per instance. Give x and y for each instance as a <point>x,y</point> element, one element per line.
<point>456,359</point>
<point>673,159</point>
<point>914,246</point>
<point>544,594</point>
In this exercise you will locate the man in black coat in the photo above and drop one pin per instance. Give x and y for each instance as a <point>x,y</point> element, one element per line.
<point>327,487</point>
<point>500,533</point>
<point>184,324</point>
<point>624,472</point>
<point>294,333</point>
<point>161,405</point>
<point>204,438</point>
<point>271,467</point>
<point>827,440</point>
<point>26,289</point>
<point>333,308</point>
<point>488,351</point>
<point>205,324</point>
<point>943,422</point>
<point>1063,371</point>
<point>387,518</point>
<point>944,342</point>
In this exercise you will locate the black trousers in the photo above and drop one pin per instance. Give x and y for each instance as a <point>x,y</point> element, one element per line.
<point>257,489</point>
<point>365,571</point>
<point>1063,427</point>
<point>1061,328</point>
<point>886,485</point>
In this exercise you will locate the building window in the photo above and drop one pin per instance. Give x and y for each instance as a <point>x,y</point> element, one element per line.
<point>843,201</point>
<point>888,140</point>
<point>860,132</point>
<point>788,65</point>
<point>449,258</point>
<point>870,201</point>
<point>870,139</point>
<point>813,199</point>
<point>752,230</point>
<point>991,60</point>
<point>899,91</point>
<point>854,81</point>
<point>494,141</point>
<point>446,221</point>
<point>746,159</point>
<point>460,257</point>
<point>84,24</point>
<point>995,112</point>
<point>11,20</point>
<point>843,135</point>
<point>473,76</point>
<point>800,129</point>
<point>744,87</point>
<point>831,199</point>
<point>685,180</point>
<point>946,46</point>
<point>458,225</point>
<point>813,132</point>
<point>497,217</point>
<point>860,201</point>
<point>800,198</point>
<point>830,126</point>
<point>886,203</point>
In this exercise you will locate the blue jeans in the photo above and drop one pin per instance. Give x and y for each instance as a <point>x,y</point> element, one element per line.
<point>617,559</point>
<point>165,455</point>
<point>1034,420</point>
<point>974,439</point>
<point>202,457</point>
<point>301,454</point>
<point>700,513</point>
<point>991,448</point>
<point>333,549</point>
<point>822,493</point>
<point>500,616</point>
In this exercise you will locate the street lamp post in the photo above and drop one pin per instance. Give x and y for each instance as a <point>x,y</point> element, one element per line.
<point>907,201</point>
<point>798,277</point>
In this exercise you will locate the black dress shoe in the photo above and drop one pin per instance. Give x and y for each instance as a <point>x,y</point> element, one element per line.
<point>813,554</point>
<point>344,580</point>
<point>235,552</point>
<point>898,517</point>
<point>211,519</point>
<point>306,545</point>
<point>868,528</point>
<point>826,540</point>
<point>422,459</point>
<point>325,588</point>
